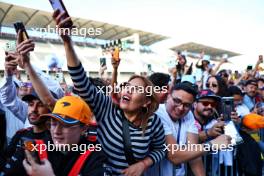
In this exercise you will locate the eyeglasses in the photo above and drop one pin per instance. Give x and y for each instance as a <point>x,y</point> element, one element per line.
<point>54,124</point>
<point>212,85</point>
<point>178,102</point>
<point>207,103</point>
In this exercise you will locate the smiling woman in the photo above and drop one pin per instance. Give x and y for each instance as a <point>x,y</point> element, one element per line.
<point>131,135</point>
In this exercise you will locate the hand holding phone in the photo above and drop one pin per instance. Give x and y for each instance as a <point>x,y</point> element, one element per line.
<point>58,5</point>
<point>29,145</point>
<point>35,148</point>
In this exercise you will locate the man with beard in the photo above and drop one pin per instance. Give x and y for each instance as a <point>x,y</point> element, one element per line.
<point>14,153</point>
<point>205,115</point>
<point>210,127</point>
<point>249,99</point>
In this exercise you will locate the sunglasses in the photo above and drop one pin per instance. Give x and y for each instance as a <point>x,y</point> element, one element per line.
<point>212,85</point>
<point>207,103</point>
<point>224,75</point>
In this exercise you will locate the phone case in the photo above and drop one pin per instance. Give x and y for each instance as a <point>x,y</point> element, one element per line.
<point>20,26</point>
<point>116,54</point>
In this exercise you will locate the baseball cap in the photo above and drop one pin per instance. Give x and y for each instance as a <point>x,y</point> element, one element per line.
<point>207,93</point>
<point>252,82</point>
<point>33,95</point>
<point>71,110</point>
<point>253,121</point>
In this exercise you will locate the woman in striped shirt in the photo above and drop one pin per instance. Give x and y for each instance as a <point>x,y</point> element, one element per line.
<point>136,107</point>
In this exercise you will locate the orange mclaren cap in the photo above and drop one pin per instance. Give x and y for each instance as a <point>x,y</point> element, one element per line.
<point>71,110</point>
<point>253,121</point>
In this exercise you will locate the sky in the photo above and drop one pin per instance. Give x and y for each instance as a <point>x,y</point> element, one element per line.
<point>235,25</point>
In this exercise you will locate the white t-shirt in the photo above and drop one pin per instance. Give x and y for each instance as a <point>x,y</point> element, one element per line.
<point>165,167</point>
<point>242,110</point>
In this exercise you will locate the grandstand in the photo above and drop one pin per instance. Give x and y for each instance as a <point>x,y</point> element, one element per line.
<point>135,57</point>
<point>197,48</point>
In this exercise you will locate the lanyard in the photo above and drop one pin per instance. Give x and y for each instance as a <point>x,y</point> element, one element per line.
<point>179,133</point>
<point>178,166</point>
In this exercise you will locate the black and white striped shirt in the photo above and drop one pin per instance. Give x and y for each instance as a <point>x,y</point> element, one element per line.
<point>109,118</point>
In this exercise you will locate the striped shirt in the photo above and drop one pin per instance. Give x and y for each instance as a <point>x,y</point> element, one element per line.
<point>109,118</point>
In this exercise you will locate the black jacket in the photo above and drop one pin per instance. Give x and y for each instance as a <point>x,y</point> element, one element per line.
<point>249,156</point>
<point>14,154</point>
<point>63,163</point>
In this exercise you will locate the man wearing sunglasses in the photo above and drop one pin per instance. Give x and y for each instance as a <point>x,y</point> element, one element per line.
<point>205,115</point>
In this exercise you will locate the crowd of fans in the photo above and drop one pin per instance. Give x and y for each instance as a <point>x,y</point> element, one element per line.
<point>129,132</point>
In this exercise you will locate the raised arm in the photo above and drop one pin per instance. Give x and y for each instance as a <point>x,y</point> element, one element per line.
<point>260,60</point>
<point>218,66</point>
<point>98,102</point>
<point>8,90</point>
<point>24,62</point>
<point>115,64</point>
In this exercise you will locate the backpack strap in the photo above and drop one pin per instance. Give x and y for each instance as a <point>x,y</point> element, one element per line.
<point>127,142</point>
<point>79,163</point>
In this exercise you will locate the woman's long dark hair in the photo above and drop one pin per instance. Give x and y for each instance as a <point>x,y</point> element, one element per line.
<point>181,67</point>
<point>152,107</point>
<point>222,86</point>
<point>201,66</point>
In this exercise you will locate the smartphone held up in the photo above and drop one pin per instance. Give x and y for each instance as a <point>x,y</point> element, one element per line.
<point>58,5</point>
<point>19,26</point>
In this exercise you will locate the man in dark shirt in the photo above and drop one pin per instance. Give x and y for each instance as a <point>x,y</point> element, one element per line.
<point>68,125</point>
<point>13,155</point>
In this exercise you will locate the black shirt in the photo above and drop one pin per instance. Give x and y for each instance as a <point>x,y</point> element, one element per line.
<point>62,163</point>
<point>14,155</point>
